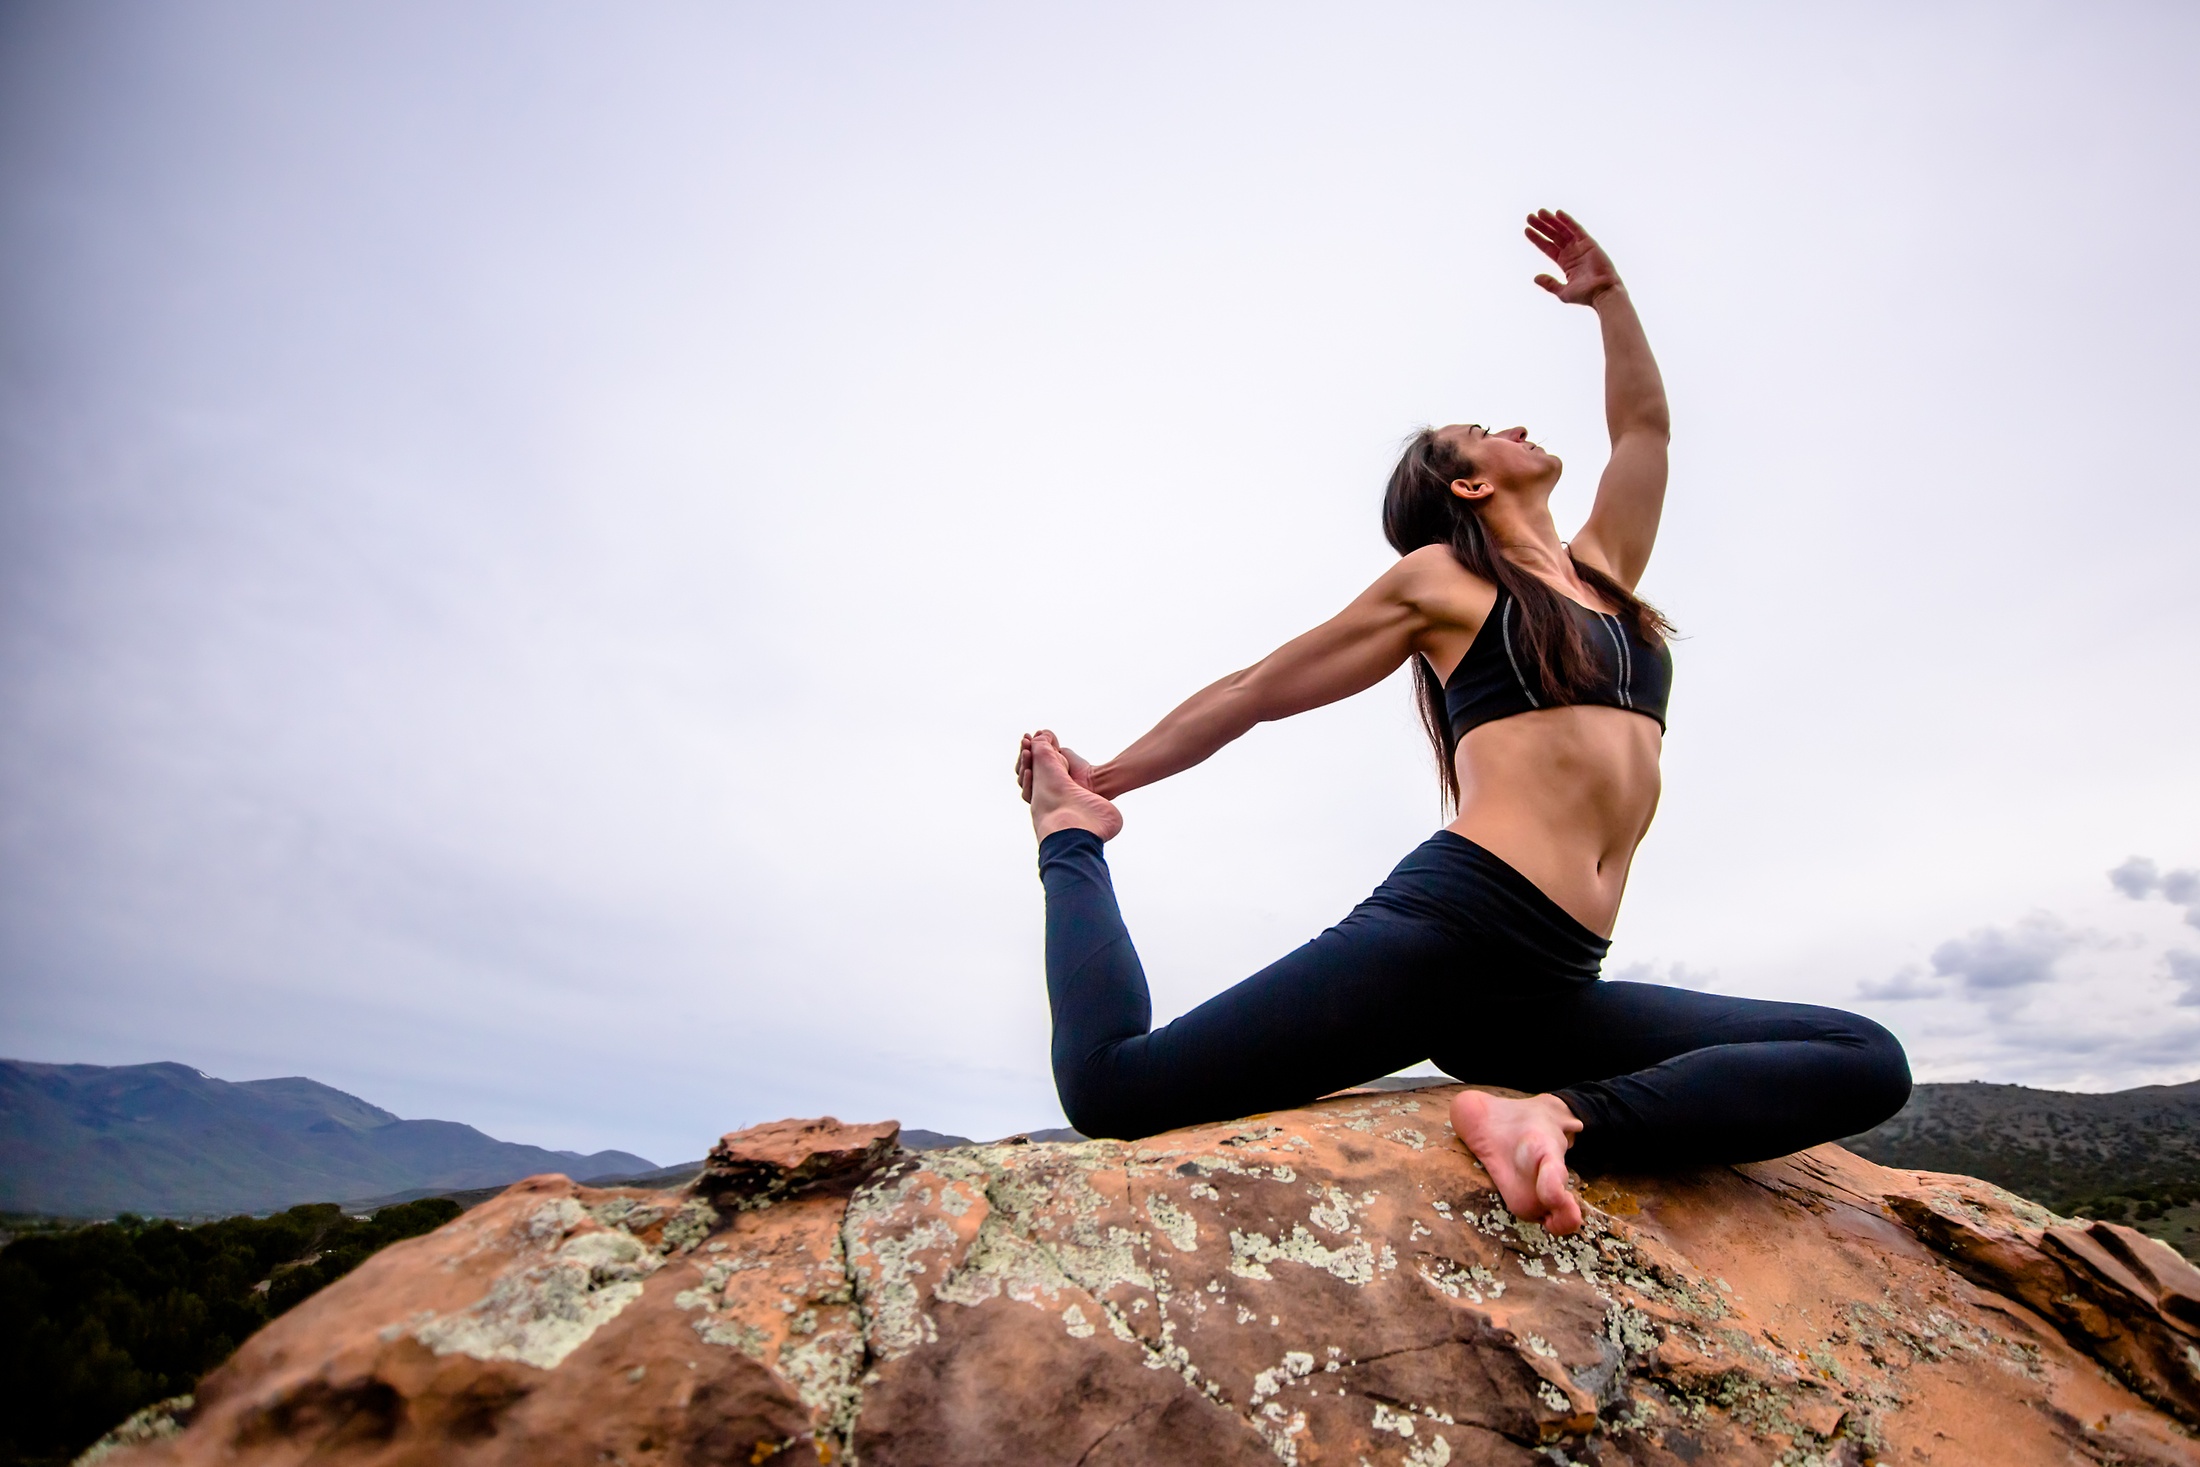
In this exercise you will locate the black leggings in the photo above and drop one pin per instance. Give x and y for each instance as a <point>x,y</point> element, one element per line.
<point>1460,959</point>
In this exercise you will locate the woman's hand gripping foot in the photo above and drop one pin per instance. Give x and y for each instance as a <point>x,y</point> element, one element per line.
<point>1522,1145</point>
<point>1059,800</point>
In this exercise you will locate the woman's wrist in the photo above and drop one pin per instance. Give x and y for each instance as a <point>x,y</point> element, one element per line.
<point>1615,291</point>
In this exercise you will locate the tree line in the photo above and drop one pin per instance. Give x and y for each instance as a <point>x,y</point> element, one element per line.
<point>98,1322</point>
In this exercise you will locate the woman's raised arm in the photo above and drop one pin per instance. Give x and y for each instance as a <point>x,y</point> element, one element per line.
<point>1623,524</point>
<point>1351,652</point>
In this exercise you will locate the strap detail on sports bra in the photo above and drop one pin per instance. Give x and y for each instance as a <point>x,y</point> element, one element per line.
<point>1505,630</point>
<point>1493,682</point>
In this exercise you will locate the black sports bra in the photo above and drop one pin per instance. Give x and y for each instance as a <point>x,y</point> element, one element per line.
<point>1495,680</point>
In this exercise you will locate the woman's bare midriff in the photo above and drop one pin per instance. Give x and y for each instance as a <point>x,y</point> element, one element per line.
<point>1563,796</point>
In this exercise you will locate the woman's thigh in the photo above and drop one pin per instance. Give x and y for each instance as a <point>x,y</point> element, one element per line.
<point>1356,1002</point>
<point>1554,1037</point>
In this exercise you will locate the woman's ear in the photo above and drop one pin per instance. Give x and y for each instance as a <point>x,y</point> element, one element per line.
<point>1471,489</point>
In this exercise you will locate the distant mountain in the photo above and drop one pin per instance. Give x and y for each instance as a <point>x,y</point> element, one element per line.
<point>2055,1146</point>
<point>164,1140</point>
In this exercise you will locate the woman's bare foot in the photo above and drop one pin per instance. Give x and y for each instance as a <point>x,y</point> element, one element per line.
<point>1080,768</point>
<point>1059,802</point>
<point>1522,1145</point>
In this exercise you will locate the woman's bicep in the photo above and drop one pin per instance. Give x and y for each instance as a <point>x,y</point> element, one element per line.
<point>1623,524</point>
<point>1349,653</point>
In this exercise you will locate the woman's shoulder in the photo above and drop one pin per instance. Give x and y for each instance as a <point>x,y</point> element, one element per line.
<point>1432,579</point>
<point>1435,570</point>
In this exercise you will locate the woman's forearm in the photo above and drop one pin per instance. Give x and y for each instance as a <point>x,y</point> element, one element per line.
<point>1200,725</point>
<point>1347,654</point>
<point>1634,391</point>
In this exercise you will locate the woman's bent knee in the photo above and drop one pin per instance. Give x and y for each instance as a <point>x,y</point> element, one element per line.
<point>1100,1122</point>
<point>1882,1084</point>
<point>1096,1108</point>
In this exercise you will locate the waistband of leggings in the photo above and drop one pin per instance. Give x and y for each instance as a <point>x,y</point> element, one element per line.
<point>1480,889</point>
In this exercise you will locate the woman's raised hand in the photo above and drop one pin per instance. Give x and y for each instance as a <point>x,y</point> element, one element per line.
<point>1589,271</point>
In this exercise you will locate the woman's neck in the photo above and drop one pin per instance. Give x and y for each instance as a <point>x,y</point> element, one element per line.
<point>1528,537</point>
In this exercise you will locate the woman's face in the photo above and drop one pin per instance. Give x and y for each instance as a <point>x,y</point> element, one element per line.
<point>1502,459</point>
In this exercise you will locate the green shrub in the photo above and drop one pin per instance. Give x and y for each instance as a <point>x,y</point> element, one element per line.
<point>100,1321</point>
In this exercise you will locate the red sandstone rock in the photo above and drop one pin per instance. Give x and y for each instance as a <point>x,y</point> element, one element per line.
<point>1333,1285</point>
<point>767,1162</point>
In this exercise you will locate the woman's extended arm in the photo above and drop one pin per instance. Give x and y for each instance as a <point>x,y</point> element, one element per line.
<point>1623,523</point>
<point>1349,653</point>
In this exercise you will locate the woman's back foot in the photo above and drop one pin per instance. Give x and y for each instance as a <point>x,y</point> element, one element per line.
<point>1058,802</point>
<point>1522,1145</point>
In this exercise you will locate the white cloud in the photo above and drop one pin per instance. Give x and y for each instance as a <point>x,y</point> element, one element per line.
<point>2184,967</point>
<point>2139,878</point>
<point>1909,983</point>
<point>2093,1003</point>
<point>1992,960</point>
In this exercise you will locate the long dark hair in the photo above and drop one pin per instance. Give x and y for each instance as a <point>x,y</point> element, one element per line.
<point>1420,509</point>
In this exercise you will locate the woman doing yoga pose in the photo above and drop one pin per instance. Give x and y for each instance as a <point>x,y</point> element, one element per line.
<point>1542,681</point>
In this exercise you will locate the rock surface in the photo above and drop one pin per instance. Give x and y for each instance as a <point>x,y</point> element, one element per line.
<point>1336,1284</point>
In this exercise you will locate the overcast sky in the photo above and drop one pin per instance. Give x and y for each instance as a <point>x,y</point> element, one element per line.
<point>531,530</point>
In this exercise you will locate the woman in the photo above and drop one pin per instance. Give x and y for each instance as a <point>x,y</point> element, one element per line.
<point>1542,681</point>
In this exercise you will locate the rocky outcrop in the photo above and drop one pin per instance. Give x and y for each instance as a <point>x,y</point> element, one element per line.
<point>1330,1285</point>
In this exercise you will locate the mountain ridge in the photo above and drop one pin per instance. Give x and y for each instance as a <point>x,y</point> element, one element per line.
<point>2059,1147</point>
<point>168,1140</point>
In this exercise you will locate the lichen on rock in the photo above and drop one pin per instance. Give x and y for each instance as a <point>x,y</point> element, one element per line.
<point>1335,1284</point>
<point>543,1312</point>
<point>158,1422</point>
